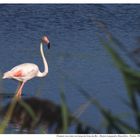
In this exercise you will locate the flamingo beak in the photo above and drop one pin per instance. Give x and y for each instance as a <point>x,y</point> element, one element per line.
<point>49,45</point>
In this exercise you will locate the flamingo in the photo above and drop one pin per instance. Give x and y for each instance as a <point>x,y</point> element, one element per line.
<point>28,71</point>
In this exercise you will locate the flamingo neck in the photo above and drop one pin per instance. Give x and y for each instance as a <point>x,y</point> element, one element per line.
<point>42,74</point>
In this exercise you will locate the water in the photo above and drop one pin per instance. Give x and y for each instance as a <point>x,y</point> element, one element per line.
<point>75,50</point>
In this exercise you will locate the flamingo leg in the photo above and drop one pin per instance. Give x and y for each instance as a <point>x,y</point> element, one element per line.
<point>19,92</point>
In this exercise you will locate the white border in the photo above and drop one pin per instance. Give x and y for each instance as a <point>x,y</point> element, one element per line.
<point>68,136</point>
<point>70,1</point>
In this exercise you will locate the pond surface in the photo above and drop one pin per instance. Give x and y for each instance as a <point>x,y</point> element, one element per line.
<point>76,51</point>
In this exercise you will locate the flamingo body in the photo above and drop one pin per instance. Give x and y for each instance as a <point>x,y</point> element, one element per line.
<point>22,72</point>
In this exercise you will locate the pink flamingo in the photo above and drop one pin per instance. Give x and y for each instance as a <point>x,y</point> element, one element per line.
<point>27,71</point>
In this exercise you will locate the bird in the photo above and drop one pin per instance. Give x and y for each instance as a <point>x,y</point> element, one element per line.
<point>28,71</point>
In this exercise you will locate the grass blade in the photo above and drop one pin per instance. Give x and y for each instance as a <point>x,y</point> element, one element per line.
<point>65,113</point>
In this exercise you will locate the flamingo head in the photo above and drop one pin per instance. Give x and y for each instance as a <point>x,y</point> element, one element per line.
<point>45,40</point>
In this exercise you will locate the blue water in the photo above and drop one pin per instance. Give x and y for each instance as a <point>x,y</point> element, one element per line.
<point>76,51</point>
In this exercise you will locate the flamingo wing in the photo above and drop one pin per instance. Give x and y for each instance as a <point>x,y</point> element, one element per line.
<point>18,73</point>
